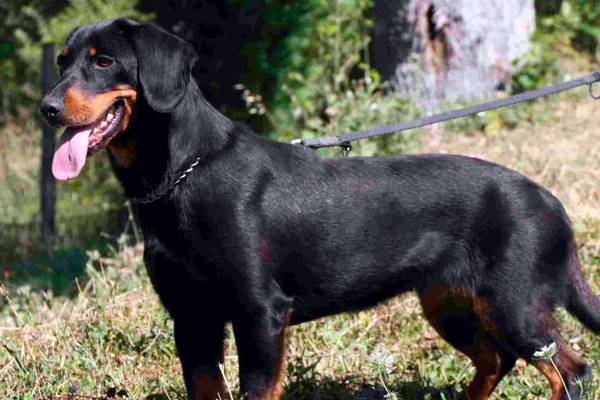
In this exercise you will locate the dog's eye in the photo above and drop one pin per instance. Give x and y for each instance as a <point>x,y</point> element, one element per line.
<point>104,62</point>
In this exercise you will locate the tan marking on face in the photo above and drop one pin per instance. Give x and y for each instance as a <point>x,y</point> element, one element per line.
<point>91,51</point>
<point>124,153</point>
<point>64,52</point>
<point>84,108</point>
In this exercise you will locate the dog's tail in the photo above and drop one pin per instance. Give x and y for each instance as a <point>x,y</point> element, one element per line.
<point>582,302</point>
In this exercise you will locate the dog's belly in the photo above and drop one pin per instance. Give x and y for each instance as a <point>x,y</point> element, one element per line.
<point>353,279</point>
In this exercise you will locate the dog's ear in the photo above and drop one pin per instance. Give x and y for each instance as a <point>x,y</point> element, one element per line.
<point>165,65</point>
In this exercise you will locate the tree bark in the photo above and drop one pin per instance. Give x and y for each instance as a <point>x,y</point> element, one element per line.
<point>447,51</point>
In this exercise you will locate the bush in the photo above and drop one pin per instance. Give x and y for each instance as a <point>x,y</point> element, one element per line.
<point>328,86</point>
<point>566,30</point>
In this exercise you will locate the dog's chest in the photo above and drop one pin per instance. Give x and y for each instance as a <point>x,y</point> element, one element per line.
<point>173,238</point>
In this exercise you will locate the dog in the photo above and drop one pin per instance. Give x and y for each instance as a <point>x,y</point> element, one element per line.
<point>265,235</point>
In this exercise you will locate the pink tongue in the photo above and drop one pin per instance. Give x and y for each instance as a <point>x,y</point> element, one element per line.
<point>69,157</point>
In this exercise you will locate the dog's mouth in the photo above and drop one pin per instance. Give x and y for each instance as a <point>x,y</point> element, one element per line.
<point>77,142</point>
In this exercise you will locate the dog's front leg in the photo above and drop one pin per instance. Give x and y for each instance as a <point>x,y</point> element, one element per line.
<point>260,337</point>
<point>199,342</point>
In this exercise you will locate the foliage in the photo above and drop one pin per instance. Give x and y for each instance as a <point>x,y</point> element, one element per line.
<point>16,19</point>
<point>80,12</point>
<point>582,18</point>
<point>569,32</point>
<point>327,86</point>
<point>285,34</point>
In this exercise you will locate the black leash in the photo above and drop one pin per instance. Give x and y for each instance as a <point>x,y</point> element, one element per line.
<point>344,140</point>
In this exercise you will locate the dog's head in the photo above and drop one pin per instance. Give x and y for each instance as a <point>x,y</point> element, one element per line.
<point>105,70</point>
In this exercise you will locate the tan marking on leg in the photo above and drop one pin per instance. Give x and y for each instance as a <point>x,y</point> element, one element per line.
<point>567,361</point>
<point>488,361</point>
<point>206,387</point>
<point>209,387</point>
<point>482,309</point>
<point>550,373</point>
<point>276,385</point>
<point>484,354</point>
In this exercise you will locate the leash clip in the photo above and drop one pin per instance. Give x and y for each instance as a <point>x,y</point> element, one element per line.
<point>346,148</point>
<point>591,91</point>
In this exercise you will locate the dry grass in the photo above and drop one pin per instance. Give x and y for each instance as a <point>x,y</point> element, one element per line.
<point>20,132</point>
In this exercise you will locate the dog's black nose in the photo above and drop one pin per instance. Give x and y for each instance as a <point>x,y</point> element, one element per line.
<point>50,108</point>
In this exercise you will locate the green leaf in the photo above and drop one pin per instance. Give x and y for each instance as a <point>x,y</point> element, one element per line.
<point>590,30</point>
<point>7,49</point>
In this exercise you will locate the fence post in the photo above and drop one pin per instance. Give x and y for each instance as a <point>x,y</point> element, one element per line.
<point>47,183</point>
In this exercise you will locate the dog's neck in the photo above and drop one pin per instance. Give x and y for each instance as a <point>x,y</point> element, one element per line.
<point>157,147</point>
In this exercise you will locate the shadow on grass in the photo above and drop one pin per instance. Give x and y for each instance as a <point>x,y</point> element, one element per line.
<point>56,272</point>
<point>24,260</point>
<point>346,389</point>
<point>158,396</point>
<point>326,388</point>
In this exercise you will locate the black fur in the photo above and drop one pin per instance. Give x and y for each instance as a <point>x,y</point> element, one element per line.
<point>266,234</point>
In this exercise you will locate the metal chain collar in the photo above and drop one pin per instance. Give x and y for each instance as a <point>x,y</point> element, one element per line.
<point>158,195</point>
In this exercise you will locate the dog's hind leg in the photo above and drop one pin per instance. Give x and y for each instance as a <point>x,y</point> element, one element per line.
<point>453,314</point>
<point>492,365</point>
<point>529,328</point>
<point>574,370</point>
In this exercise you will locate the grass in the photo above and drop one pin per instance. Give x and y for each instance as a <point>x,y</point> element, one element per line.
<point>107,334</point>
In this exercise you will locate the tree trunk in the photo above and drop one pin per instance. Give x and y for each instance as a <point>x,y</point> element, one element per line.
<point>446,51</point>
<point>47,182</point>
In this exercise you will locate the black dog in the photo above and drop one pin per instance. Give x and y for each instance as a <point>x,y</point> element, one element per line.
<point>267,235</point>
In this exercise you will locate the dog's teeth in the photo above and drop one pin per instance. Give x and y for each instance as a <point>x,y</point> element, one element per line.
<point>103,124</point>
<point>109,117</point>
